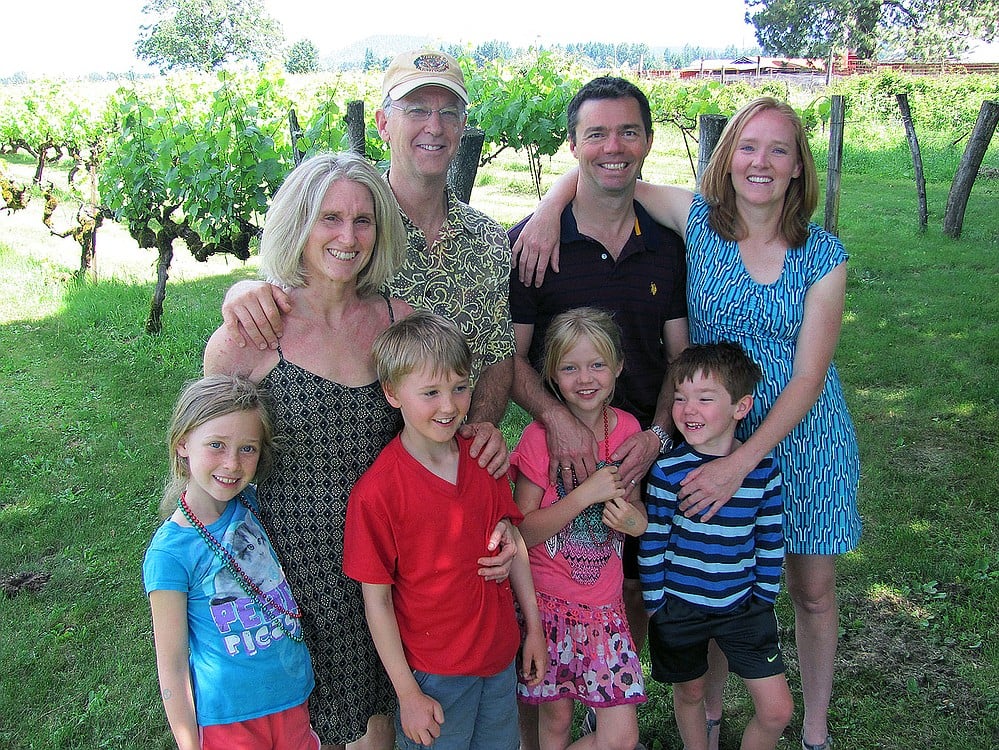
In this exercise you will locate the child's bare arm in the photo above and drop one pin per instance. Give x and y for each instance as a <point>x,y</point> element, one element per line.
<point>541,524</point>
<point>169,611</point>
<point>534,651</point>
<point>421,716</point>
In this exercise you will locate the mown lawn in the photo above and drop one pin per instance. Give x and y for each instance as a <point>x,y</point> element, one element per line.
<point>86,395</point>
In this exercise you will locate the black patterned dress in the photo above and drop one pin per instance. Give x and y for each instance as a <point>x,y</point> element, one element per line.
<point>330,435</point>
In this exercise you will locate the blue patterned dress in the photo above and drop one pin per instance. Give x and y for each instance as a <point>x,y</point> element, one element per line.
<point>819,458</point>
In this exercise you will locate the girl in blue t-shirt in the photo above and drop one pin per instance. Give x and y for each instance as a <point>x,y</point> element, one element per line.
<point>232,665</point>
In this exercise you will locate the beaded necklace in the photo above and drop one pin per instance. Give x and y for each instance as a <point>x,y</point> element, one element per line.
<point>575,482</point>
<point>591,519</point>
<point>263,600</point>
<point>606,436</point>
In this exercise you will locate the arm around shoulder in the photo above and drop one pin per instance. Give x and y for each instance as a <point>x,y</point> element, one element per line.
<point>252,310</point>
<point>538,242</point>
<point>667,204</point>
<point>224,355</point>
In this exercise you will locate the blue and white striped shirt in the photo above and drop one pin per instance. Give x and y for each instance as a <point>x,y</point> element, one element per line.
<point>715,565</point>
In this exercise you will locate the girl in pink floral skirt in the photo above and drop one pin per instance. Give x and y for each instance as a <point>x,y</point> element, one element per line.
<point>574,532</point>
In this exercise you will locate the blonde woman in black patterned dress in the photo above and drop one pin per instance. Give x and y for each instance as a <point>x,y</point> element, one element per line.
<point>332,238</point>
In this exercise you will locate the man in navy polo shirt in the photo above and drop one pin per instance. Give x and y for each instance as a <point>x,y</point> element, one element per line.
<point>611,255</point>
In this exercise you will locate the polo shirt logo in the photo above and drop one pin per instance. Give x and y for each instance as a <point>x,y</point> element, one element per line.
<point>653,288</point>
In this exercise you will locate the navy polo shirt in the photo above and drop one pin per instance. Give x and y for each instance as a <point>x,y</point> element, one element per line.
<point>643,289</point>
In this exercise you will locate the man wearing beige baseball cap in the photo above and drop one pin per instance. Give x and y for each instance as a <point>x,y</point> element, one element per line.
<point>411,70</point>
<point>458,259</point>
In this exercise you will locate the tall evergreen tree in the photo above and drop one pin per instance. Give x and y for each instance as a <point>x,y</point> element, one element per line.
<point>303,57</point>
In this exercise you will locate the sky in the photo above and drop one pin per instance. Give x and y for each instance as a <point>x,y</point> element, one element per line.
<point>74,38</point>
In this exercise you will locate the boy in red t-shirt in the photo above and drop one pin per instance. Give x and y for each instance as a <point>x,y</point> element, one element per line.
<point>417,521</point>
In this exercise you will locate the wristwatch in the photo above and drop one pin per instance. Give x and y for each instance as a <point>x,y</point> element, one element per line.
<point>665,441</point>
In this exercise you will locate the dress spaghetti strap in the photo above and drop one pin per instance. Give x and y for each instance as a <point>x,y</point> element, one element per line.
<point>388,301</point>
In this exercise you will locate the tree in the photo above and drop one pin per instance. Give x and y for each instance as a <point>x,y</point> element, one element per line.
<point>917,29</point>
<point>303,57</point>
<point>204,34</point>
<point>492,50</point>
<point>521,105</point>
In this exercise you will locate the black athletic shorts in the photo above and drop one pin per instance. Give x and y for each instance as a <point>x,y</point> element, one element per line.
<point>679,635</point>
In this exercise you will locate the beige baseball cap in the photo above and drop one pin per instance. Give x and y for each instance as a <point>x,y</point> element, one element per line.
<point>423,67</point>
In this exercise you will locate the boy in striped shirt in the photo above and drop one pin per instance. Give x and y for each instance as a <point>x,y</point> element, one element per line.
<point>715,578</point>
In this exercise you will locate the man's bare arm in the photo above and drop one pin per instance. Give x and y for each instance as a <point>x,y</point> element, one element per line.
<point>571,445</point>
<point>252,311</point>
<point>492,392</point>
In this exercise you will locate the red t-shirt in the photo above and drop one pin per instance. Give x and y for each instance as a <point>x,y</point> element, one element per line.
<point>409,528</point>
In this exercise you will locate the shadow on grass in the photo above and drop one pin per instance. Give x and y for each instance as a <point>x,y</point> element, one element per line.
<point>83,412</point>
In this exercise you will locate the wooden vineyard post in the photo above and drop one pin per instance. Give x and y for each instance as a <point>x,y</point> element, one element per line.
<point>917,158</point>
<point>709,131</point>
<point>834,172</point>
<point>461,173</point>
<point>355,126</point>
<point>295,130</point>
<point>967,171</point>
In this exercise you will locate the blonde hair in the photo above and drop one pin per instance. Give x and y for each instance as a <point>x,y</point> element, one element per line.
<point>420,339</point>
<point>802,193</point>
<point>295,210</point>
<point>201,401</point>
<point>565,330</point>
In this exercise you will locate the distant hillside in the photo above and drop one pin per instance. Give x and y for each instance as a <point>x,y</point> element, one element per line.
<point>381,46</point>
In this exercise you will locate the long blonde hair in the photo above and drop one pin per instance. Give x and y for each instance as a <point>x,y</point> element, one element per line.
<point>295,210</point>
<point>201,401</point>
<point>802,193</point>
<point>566,329</point>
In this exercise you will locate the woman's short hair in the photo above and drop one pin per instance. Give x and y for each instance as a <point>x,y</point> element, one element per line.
<point>421,339</point>
<point>716,184</point>
<point>565,330</point>
<point>201,401</point>
<point>295,210</point>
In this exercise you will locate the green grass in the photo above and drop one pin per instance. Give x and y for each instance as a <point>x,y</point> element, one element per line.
<point>86,395</point>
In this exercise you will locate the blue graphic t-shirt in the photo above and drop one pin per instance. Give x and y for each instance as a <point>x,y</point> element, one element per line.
<point>243,664</point>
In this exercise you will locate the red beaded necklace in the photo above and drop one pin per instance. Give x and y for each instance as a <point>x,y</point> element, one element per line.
<point>575,482</point>
<point>263,600</point>
<point>606,436</point>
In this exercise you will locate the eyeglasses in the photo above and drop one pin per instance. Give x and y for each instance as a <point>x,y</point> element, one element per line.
<point>450,116</point>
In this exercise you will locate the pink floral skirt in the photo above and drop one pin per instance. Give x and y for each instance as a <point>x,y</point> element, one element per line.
<point>591,657</point>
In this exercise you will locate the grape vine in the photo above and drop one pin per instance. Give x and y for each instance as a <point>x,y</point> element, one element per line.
<point>198,158</point>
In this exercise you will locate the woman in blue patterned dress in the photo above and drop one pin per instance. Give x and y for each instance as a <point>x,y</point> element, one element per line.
<point>762,275</point>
